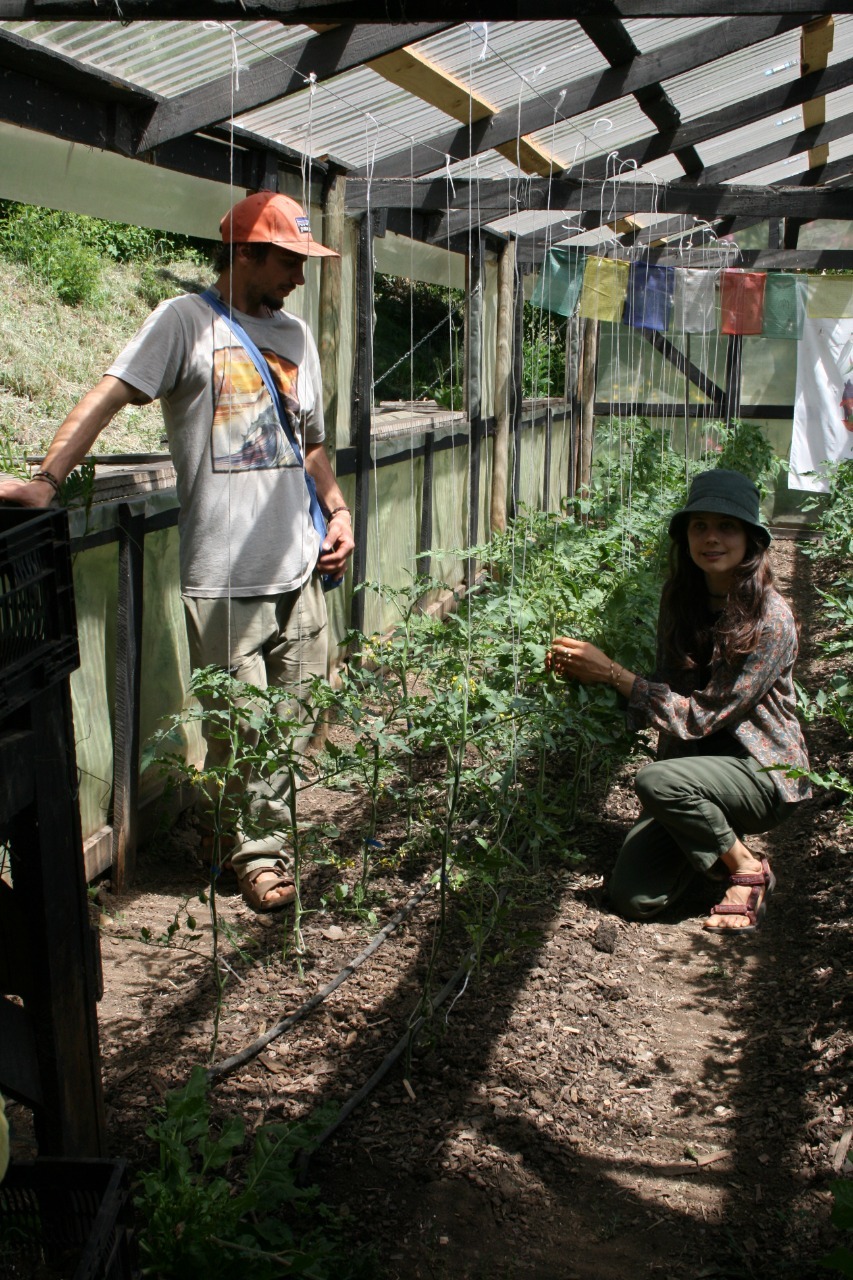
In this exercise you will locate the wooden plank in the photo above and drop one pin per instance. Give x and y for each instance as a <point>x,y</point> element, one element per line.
<point>656,409</point>
<point>815,47</point>
<point>338,11</point>
<point>474,298</point>
<point>683,364</point>
<point>98,852</point>
<point>128,689</point>
<point>492,198</point>
<point>503,388</point>
<point>331,308</point>
<point>516,402</point>
<point>330,54</point>
<point>586,93</point>
<point>50,893</point>
<point>751,161</point>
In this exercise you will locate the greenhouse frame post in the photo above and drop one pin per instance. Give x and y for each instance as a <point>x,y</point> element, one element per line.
<point>503,378</point>
<point>362,413</point>
<point>474,392</point>
<point>331,306</point>
<point>516,403</point>
<point>128,694</point>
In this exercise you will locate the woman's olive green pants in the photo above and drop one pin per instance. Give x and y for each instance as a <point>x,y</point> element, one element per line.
<point>694,809</point>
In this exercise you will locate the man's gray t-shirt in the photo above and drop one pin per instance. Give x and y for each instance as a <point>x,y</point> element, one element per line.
<point>245,527</point>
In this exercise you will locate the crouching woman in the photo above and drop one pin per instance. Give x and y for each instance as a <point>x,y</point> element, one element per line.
<point>723,701</point>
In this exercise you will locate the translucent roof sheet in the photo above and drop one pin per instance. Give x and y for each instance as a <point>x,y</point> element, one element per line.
<point>360,117</point>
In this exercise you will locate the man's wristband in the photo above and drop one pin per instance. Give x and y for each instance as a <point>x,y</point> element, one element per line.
<point>48,478</point>
<point>337,511</point>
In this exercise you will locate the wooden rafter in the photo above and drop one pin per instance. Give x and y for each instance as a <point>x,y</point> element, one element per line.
<point>815,47</point>
<point>308,11</point>
<point>813,140</point>
<point>596,89</point>
<point>329,54</point>
<point>412,71</point>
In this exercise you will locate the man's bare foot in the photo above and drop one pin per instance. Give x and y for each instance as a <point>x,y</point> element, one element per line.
<point>743,902</point>
<point>268,888</point>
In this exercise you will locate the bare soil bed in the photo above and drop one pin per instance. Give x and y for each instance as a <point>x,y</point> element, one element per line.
<point>602,1099</point>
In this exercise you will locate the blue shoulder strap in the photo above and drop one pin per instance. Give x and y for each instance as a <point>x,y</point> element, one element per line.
<point>260,364</point>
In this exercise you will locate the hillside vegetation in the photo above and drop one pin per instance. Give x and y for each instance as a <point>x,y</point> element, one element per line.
<point>73,290</point>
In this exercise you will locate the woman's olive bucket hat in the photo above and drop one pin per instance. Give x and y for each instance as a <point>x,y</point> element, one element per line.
<point>724,493</point>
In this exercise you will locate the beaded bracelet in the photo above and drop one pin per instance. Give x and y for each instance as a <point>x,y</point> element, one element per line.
<point>48,479</point>
<point>614,679</point>
<point>337,512</point>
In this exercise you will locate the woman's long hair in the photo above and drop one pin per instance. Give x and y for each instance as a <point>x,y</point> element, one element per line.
<point>691,636</point>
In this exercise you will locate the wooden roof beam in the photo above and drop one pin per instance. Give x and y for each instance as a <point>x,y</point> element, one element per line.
<point>305,11</point>
<point>813,140</point>
<point>409,69</point>
<point>329,54</point>
<point>586,93</point>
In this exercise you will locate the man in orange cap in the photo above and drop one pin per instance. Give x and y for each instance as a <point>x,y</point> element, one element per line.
<point>251,559</point>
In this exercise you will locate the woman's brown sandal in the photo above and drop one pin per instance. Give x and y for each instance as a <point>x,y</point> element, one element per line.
<point>754,910</point>
<point>255,895</point>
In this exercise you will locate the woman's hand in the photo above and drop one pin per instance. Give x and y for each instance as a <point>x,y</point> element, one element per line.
<point>580,660</point>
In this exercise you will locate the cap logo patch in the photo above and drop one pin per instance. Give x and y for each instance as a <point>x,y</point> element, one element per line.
<point>302,225</point>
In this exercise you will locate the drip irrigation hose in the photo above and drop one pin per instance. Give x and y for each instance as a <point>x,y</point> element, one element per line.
<point>228,1065</point>
<point>406,1040</point>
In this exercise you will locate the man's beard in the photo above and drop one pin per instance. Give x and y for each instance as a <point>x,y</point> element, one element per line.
<point>273,304</point>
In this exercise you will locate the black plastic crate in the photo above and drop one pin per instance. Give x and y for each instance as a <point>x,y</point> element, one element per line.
<point>38,622</point>
<point>64,1219</point>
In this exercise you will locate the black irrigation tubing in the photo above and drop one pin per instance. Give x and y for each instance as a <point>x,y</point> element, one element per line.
<point>406,1039</point>
<point>251,1051</point>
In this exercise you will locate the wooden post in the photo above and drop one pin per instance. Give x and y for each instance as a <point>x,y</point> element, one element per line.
<point>587,394</point>
<point>331,306</point>
<point>503,387</point>
<point>362,412</point>
<point>516,402</point>
<point>128,686</point>
<point>571,395</point>
<point>473,392</point>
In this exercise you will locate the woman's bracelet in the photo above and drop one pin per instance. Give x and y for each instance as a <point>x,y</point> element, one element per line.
<point>614,678</point>
<point>337,511</point>
<point>48,478</point>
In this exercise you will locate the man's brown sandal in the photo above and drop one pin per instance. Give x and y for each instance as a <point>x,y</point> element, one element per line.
<point>255,895</point>
<point>754,910</point>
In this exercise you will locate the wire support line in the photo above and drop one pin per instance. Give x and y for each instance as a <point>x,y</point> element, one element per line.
<point>227,1065</point>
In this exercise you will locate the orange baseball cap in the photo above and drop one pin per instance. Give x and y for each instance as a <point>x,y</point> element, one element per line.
<point>269,218</point>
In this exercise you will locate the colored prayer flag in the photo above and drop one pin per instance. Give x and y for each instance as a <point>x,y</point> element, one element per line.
<point>784,305</point>
<point>823,408</point>
<point>605,283</point>
<point>741,301</point>
<point>649,298</point>
<point>693,301</point>
<point>558,285</point>
<point>830,297</point>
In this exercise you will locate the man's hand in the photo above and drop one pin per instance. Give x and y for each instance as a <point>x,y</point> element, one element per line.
<point>26,493</point>
<point>338,546</point>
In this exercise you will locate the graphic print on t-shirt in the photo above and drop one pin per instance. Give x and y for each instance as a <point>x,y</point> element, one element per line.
<point>246,433</point>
